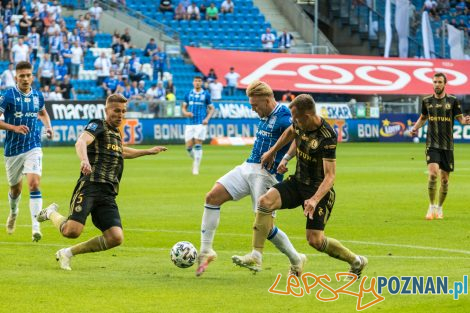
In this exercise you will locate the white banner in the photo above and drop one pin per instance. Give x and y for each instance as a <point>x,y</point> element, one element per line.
<point>402,25</point>
<point>388,28</point>
<point>456,42</point>
<point>428,37</point>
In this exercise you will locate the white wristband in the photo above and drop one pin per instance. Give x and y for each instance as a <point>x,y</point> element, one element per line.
<point>287,157</point>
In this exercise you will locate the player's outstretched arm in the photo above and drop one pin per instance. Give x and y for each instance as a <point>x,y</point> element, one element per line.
<point>131,153</point>
<point>81,148</point>
<point>291,153</point>
<point>419,123</point>
<point>210,112</point>
<point>463,120</point>
<point>19,129</point>
<point>46,121</point>
<point>267,159</point>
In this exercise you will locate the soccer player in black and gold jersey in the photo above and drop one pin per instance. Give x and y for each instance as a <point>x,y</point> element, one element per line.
<point>102,155</point>
<point>440,110</point>
<point>311,186</point>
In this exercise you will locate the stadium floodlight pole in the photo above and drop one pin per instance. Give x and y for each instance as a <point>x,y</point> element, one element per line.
<point>315,30</point>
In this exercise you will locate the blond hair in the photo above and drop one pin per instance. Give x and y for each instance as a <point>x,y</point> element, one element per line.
<point>259,88</point>
<point>303,103</point>
<point>115,98</point>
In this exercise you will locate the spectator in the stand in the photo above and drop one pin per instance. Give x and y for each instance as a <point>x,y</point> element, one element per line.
<point>10,34</point>
<point>68,92</point>
<point>53,29</point>
<point>126,91</point>
<point>54,46</point>
<point>442,7</point>
<point>150,48</point>
<point>267,40</point>
<point>135,66</point>
<point>25,24</point>
<point>157,67</point>
<point>126,39</point>
<point>102,67</point>
<point>212,13</point>
<point>185,3</point>
<point>461,7</point>
<point>34,42</point>
<point>46,90</point>
<point>227,6</point>
<point>163,59</point>
<point>118,48</point>
<point>77,59</point>
<point>95,13</point>
<point>286,40</point>
<point>56,94</point>
<point>141,88</point>
<point>180,12</point>
<point>211,76</point>
<point>66,54</point>
<point>46,70</point>
<point>232,81</point>
<point>170,86</point>
<point>192,13</point>
<point>35,5</point>
<point>54,10</point>
<point>156,93</point>
<point>110,84</point>
<point>60,70</point>
<point>19,52</point>
<point>125,68</point>
<point>431,7</point>
<point>288,96</point>
<point>462,26</point>
<point>216,88</point>
<point>8,76</point>
<point>165,6</point>
<point>115,65</point>
<point>135,92</point>
<point>7,14</point>
<point>37,22</point>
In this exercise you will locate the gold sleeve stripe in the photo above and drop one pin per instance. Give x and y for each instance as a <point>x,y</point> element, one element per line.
<point>329,160</point>
<point>459,115</point>
<point>90,133</point>
<point>427,97</point>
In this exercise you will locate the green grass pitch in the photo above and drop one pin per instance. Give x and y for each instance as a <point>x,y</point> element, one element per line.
<point>379,212</point>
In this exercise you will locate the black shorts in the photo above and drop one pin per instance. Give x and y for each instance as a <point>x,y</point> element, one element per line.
<point>99,199</point>
<point>445,158</point>
<point>294,193</point>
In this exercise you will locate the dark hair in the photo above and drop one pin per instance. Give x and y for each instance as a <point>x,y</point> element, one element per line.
<point>441,75</point>
<point>23,65</point>
<point>303,103</point>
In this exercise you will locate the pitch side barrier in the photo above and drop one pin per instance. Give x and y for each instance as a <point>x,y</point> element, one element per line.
<point>234,122</point>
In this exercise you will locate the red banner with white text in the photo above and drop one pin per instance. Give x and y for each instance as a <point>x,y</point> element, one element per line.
<point>335,73</point>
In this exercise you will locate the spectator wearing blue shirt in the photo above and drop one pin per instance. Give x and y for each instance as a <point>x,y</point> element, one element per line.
<point>60,70</point>
<point>66,54</point>
<point>110,84</point>
<point>150,48</point>
<point>157,67</point>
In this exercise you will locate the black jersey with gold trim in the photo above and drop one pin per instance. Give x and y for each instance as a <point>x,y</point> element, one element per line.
<point>312,147</point>
<point>441,114</point>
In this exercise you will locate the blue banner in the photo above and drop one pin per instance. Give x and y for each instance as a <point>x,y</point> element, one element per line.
<point>394,127</point>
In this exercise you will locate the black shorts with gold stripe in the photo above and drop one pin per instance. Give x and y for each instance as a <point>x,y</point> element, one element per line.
<point>294,193</point>
<point>97,199</point>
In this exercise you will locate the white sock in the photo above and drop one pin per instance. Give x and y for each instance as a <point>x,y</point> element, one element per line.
<point>210,222</point>
<point>283,244</point>
<point>197,154</point>
<point>35,206</point>
<point>14,202</point>
<point>68,252</point>
<point>257,255</point>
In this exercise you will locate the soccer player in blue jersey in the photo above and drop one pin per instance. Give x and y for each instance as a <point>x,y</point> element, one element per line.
<point>250,179</point>
<point>197,106</point>
<point>22,106</point>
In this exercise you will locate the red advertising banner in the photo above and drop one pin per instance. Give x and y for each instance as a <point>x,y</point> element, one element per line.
<point>335,73</point>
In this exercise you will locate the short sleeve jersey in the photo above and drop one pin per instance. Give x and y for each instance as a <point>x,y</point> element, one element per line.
<point>441,114</point>
<point>312,147</point>
<point>21,109</point>
<point>197,103</point>
<point>104,154</point>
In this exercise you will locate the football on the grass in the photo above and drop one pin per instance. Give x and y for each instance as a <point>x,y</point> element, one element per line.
<point>183,254</point>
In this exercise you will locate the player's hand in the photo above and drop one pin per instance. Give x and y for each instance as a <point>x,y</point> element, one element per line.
<point>157,149</point>
<point>267,159</point>
<point>49,133</point>
<point>21,129</point>
<point>413,132</point>
<point>467,119</point>
<point>309,208</point>
<point>205,122</point>
<point>85,167</point>
<point>282,167</point>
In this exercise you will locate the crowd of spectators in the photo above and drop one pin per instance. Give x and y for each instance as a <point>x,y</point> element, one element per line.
<point>187,10</point>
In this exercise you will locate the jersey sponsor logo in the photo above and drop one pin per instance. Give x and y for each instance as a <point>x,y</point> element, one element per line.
<point>440,119</point>
<point>27,100</point>
<point>27,114</point>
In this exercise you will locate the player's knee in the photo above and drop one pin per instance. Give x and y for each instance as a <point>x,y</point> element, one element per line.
<point>266,202</point>
<point>315,242</point>
<point>34,185</point>
<point>445,181</point>
<point>211,198</point>
<point>114,240</point>
<point>69,232</point>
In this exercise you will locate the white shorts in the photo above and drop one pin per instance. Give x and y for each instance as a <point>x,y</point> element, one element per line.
<point>248,179</point>
<point>198,132</point>
<point>26,163</point>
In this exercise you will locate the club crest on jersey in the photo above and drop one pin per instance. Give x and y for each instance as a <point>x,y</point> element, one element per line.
<point>92,126</point>
<point>272,122</point>
<point>447,106</point>
<point>36,101</point>
<point>314,144</point>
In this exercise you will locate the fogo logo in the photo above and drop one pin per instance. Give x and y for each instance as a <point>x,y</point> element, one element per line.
<point>364,75</point>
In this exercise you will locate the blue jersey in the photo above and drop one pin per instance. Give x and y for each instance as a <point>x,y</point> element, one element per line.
<point>270,128</point>
<point>21,109</point>
<point>197,103</point>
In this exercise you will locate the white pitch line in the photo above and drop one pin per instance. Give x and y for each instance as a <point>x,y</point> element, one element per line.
<point>383,244</point>
<point>231,252</point>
